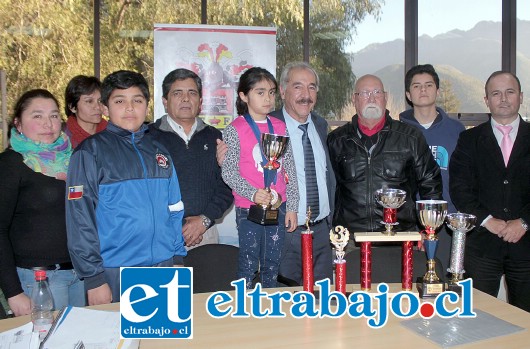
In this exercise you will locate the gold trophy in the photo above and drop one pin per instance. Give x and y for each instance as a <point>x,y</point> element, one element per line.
<point>391,200</point>
<point>273,147</point>
<point>460,224</point>
<point>431,214</point>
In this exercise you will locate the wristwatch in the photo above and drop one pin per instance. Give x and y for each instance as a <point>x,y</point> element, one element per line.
<point>207,222</point>
<point>524,224</point>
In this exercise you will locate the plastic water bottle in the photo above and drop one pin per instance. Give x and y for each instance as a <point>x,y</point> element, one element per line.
<point>41,305</point>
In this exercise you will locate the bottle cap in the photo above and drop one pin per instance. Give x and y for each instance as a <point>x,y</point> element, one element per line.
<point>40,275</point>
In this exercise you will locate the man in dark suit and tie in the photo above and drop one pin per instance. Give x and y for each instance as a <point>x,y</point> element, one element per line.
<point>490,178</point>
<point>316,182</point>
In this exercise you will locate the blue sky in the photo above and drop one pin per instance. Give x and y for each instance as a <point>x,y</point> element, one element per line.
<point>435,17</point>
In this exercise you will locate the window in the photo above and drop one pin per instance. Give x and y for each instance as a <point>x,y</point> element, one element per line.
<point>45,43</point>
<point>462,39</point>
<point>523,54</point>
<point>379,48</point>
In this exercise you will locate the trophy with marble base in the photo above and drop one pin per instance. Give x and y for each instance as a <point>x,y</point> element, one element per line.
<point>431,214</point>
<point>391,200</point>
<point>460,224</point>
<point>273,148</point>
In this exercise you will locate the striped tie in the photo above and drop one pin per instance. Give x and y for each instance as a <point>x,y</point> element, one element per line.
<point>310,174</point>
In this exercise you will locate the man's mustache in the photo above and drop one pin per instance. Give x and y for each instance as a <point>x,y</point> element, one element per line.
<point>305,100</point>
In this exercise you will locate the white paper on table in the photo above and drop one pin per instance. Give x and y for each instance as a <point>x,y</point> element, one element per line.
<point>455,331</point>
<point>97,329</point>
<point>21,337</point>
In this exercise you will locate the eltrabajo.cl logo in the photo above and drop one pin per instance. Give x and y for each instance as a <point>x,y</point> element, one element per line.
<point>156,302</point>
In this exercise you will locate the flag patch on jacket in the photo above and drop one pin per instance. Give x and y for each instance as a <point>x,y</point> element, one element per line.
<point>75,192</point>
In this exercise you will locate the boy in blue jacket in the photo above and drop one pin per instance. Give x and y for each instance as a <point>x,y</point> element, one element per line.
<point>124,206</point>
<point>422,86</point>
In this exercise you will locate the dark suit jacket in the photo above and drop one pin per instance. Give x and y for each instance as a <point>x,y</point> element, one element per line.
<point>481,185</point>
<point>322,128</point>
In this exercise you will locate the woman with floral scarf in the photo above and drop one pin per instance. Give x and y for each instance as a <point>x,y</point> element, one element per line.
<point>32,205</point>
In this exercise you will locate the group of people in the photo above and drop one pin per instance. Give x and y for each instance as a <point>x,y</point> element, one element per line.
<point>116,199</point>
<point>482,171</point>
<point>133,194</point>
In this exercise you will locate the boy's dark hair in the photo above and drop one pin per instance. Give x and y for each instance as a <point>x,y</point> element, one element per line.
<point>180,74</point>
<point>421,69</point>
<point>122,80</point>
<point>247,81</point>
<point>79,85</point>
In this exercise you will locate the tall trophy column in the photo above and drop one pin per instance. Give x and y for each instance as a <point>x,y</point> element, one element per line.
<point>339,238</point>
<point>431,214</point>
<point>407,265</point>
<point>273,147</point>
<point>308,276</point>
<point>460,224</point>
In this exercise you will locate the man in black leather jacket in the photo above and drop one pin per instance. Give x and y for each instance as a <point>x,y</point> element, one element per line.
<point>374,151</point>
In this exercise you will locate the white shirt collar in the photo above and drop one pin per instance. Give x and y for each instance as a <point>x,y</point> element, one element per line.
<point>513,133</point>
<point>290,119</point>
<point>180,130</point>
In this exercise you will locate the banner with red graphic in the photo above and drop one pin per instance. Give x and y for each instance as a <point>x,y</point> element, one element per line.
<point>219,55</point>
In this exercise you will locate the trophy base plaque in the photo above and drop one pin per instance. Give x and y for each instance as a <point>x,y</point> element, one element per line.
<point>430,289</point>
<point>263,216</point>
<point>456,288</point>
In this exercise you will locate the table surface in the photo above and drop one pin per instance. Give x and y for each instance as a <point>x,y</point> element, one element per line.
<point>343,332</point>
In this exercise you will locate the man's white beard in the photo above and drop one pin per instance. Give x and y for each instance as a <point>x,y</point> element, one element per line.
<point>372,111</point>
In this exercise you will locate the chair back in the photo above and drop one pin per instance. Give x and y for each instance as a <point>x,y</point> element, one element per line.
<point>386,265</point>
<point>214,267</point>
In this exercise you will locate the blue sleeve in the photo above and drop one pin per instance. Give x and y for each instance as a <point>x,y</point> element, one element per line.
<point>81,226</point>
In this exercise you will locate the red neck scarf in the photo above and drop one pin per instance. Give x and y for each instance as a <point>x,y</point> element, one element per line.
<point>378,127</point>
<point>77,134</point>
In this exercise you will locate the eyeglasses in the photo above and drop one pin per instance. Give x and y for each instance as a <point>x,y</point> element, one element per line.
<point>366,94</point>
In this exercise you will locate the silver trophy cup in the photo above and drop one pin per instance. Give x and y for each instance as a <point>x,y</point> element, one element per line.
<point>460,224</point>
<point>431,214</point>
<point>273,148</point>
<point>391,200</point>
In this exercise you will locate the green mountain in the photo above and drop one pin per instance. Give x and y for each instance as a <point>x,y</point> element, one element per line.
<point>465,58</point>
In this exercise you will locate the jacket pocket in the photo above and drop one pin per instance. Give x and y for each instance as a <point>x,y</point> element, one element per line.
<point>346,168</point>
<point>394,166</point>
